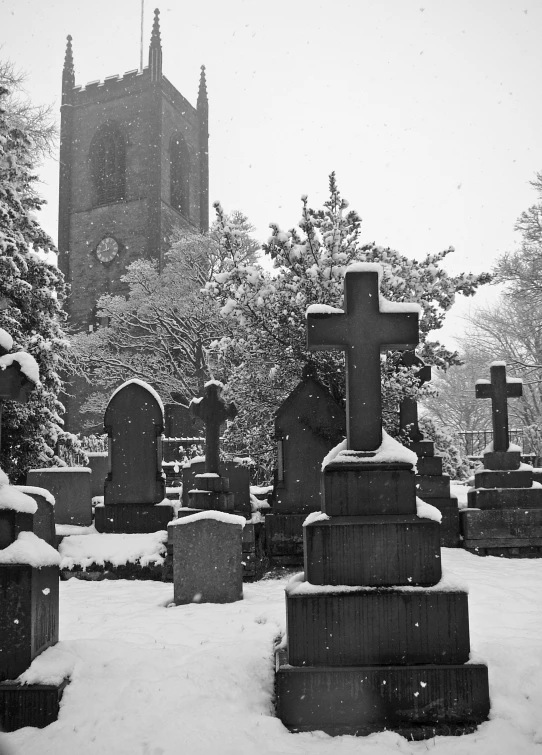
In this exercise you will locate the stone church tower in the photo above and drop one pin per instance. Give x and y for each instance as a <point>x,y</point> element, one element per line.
<point>134,164</point>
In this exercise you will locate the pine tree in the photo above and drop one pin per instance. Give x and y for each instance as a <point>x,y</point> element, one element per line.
<point>31,291</point>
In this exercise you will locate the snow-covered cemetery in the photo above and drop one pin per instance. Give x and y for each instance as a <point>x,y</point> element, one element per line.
<point>274,487</point>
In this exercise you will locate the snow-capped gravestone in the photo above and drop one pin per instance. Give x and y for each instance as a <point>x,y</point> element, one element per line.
<point>29,577</point>
<point>212,490</point>
<point>237,472</point>
<point>376,637</point>
<point>308,424</point>
<point>19,374</point>
<point>98,462</point>
<point>135,486</point>
<point>207,549</point>
<point>70,487</point>
<point>432,485</point>
<point>504,514</point>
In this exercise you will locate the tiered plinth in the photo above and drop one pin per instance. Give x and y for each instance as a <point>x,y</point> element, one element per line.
<point>375,638</point>
<point>433,487</point>
<point>504,514</point>
<point>211,493</point>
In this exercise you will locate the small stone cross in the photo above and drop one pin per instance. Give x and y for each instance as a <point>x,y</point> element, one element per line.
<point>408,408</point>
<point>362,331</point>
<point>213,411</point>
<point>499,389</point>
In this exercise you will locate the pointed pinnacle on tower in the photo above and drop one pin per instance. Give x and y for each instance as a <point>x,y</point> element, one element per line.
<point>155,49</point>
<point>68,74</point>
<point>202,92</point>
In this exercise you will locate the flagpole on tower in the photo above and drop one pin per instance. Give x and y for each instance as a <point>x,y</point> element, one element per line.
<point>141,40</point>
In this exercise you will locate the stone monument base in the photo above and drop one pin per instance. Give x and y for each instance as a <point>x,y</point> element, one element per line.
<point>29,704</point>
<point>449,526</point>
<point>132,518</point>
<point>416,701</point>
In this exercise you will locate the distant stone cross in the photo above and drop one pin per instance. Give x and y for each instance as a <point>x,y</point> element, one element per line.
<point>408,408</point>
<point>362,331</point>
<point>213,411</point>
<point>499,390</point>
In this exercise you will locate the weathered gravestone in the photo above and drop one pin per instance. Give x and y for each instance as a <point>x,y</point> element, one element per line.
<point>504,514</point>
<point>212,491</point>
<point>236,471</point>
<point>361,659</point>
<point>432,485</point>
<point>207,557</point>
<point>43,524</point>
<point>135,486</point>
<point>308,424</point>
<point>71,489</point>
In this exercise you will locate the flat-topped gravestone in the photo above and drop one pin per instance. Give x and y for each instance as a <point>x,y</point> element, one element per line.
<point>236,471</point>
<point>431,484</point>
<point>134,421</point>
<point>503,517</point>
<point>359,659</point>
<point>207,554</point>
<point>211,490</point>
<point>71,489</point>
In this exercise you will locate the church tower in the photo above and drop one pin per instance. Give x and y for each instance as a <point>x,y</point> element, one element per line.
<point>134,164</point>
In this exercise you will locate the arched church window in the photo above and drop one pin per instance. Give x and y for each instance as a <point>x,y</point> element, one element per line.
<point>179,182</point>
<point>108,164</point>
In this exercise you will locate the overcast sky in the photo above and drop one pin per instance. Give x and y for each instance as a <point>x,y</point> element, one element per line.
<point>428,111</point>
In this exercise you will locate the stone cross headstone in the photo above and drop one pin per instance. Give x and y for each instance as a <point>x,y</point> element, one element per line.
<point>499,389</point>
<point>362,331</point>
<point>360,659</point>
<point>408,409</point>
<point>213,411</point>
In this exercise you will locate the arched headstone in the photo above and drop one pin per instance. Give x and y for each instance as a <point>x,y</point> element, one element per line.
<point>134,421</point>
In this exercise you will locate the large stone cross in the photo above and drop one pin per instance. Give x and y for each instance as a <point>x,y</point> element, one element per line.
<point>213,411</point>
<point>362,331</point>
<point>408,408</point>
<point>499,390</point>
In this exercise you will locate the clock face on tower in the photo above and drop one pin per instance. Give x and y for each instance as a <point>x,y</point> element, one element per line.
<point>107,249</point>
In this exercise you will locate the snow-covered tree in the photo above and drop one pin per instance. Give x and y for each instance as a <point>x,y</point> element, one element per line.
<point>30,309</point>
<point>160,331</point>
<point>263,361</point>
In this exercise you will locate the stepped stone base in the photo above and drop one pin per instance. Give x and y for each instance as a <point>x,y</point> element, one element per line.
<point>432,486</point>
<point>500,460</point>
<point>510,533</point>
<point>211,500</point>
<point>500,478</point>
<point>429,465</point>
<point>365,489</point>
<point>505,498</point>
<point>359,700</point>
<point>376,627</point>
<point>449,526</point>
<point>373,551</point>
<point>132,518</point>
<point>29,704</point>
<point>509,549</point>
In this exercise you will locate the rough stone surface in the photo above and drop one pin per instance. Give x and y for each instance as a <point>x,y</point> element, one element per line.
<point>71,490</point>
<point>377,551</point>
<point>505,498</point>
<point>207,557</point>
<point>377,628</point>
<point>132,519</point>
<point>368,489</point>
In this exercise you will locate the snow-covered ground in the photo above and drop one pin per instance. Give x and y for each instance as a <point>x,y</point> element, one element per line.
<point>149,678</point>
